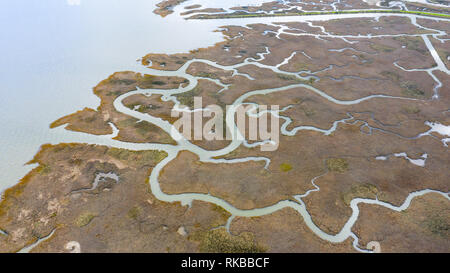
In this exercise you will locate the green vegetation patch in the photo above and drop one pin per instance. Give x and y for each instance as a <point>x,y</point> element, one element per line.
<point>311,80</point>
<point>224,214</point>
<point>285,167</point>
<point>146,81</point>
<point>411,109</point>
<point>84,219</point>
<point>294,78</point>
<point>139,157</point>
<point>159,83</point>
<point>90,119</point>
<point>43,169</point>
<point>249,15</point>
<point>287,77</point>
<point>207,75</point>
<point>339,165</point>
<point>360,191</point>
<point>443,54</point>
<point>301,66</point>
<point>220,241</point>
<point>308,111</point>
<point>143,128</point>
<point>382,48</point>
